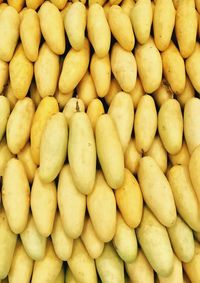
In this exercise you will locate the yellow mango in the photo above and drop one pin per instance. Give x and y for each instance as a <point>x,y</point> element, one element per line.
<point>124,240</point>
<point>34,4</point>
<point>170,126</point>
<point>158,153</point>
<point>177,273</point>
<point>71,204</point>
<point>185,199</point>
<point>34,244</point>
<point>156,191</point>
<point>149,65</point>
<point>124,67</point>
<point>145,119</point>
<point>74,68</point>
<point>43,205</point>
<point>60,4</point>
<point>48,267</point>
<point>163,93</point>
<point>46,108</point>
<point>141,17</point>
<point>62,243</point>
<point>86,89</point>
<point>194,166</point>
<point>100,70</point>
<point>92,243</point>
<point>109,151</point>
<point>186,94</point>
<point>5,156</point>
<point>140,270</point>
<point>18,5</point>
<point>72,106</point>
<point>182,157</point>
<point>30,34</point>
<point>121,111</point>
<point>103,220</point>
<point>127,6</point>
<point>7,245</point>
<point>192,268</point>
<point>109,266</point>
<point>16,195</point>
<point>186,27</point>
<point>9,32</point>
<point>81,264</point>
<point>154,241</point>
<point>54,140</point>
<point>19,124</point>
<point>192,67</point>
<point>29,165</point>
<point>137,92</point>
<point>21,73</point>
<point>4,75</point>
<point>163,23</point>
<point>113,90</point>
<point>121,27</point>
<point>22,265</point>
<point>75,24</point>
<point>94,110</point>
<point>2,6</point>
<point>129,200</point>
<point>5,113</point>
<point>82,152</point>
<point>182,240</point>
<point>52,27</point>
<point>191,123</point>
<point>46,71</point>
<point>132,157</point>
<point>173,68</point>
<point>98,30</point>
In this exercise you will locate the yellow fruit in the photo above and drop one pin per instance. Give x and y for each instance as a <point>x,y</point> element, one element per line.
<point>19,125</point>
<point>81,264</point>
<point>30,34</point>
<point>7,245</point>
<point>124,67</point>
<point>109,151</point>
<point>145,119</point>
<point>74,68</point>
<point>170,126</point>
<point>154,241</point>
<point>82,152</point>
<point>98,30</point>
<point>46,71</point>
<point>185,199</point>
<point>163,23</point>
<point>43,205</point>
<point>75,24</point>
<point>129,200</point>
<point>16,195</point>
<point>192,268</point>
<point>149,65</point>
<point>121,28</point>
<point>21,73</point>
<point>5,113</point>
<point>103,220</point>
<point>156,191</point>
<point>141,17</point>
<point>9,32</point>
<point>71,204</point>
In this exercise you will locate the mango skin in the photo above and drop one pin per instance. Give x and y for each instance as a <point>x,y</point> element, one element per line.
<point>9,32</point>
<point>157,191</point>
<point>155,243</point>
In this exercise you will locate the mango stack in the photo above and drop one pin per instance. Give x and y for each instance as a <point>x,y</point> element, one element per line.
<point>100,141</point>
